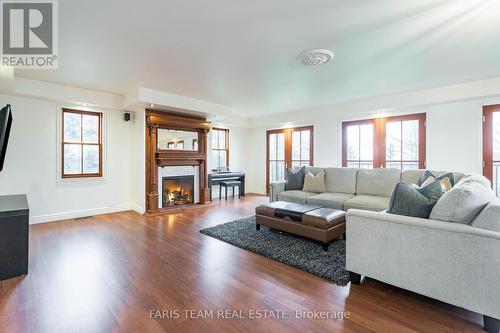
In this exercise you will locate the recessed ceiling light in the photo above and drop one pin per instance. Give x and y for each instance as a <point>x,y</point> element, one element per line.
<point>85,104</point>
<point>315,57</point>
<point>152,105</point>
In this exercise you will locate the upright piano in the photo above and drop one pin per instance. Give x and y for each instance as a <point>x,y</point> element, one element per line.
<point>216,177</point>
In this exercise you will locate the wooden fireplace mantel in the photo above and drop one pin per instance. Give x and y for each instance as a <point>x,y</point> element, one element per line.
<point>161,158</point>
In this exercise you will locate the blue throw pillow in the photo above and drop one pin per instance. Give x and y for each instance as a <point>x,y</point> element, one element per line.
<point>411,200</point>
<point>428,174</point>
<point>295,180</point>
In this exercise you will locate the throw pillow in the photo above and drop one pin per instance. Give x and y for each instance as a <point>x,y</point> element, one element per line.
<point>411,200</point>
<point>295,180</point>
<point>428,174</point>
<point>428,181</point>
<point>314,183</point>
<point>464,201</point>
<point>446,184</point>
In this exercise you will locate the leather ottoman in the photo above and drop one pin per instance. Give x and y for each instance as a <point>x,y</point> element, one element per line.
<point>309,221</point>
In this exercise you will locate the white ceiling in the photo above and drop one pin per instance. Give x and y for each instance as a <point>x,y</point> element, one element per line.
<point>243,53</point>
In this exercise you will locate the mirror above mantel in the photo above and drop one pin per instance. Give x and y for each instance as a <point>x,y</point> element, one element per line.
<point>170,139</point>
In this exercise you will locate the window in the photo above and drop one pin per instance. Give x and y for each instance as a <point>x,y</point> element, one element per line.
<point>175,145</point>
<point>393,142</point>
<point>81,148</point>
<point>288,148</point>
<point>491,145</point>
<point>220,148</point>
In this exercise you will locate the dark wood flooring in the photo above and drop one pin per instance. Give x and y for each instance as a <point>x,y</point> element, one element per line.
<point>105,274</point>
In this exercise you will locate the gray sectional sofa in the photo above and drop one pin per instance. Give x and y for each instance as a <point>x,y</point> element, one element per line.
<point>346,188</point>
<point>457,263</point>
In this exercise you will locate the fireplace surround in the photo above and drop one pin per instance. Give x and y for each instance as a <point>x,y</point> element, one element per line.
<point>161,158</point>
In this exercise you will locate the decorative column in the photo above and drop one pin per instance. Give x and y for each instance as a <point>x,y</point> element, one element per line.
<point>151,168</point>
<point>204,190</point>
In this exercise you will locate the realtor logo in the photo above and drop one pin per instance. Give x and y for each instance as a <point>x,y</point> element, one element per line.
<point>29,34</point>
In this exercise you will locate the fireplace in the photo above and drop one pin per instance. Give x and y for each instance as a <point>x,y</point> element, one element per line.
<point>177,191</point>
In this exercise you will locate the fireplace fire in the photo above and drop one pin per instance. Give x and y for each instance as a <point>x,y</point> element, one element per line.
<point>177,191</point>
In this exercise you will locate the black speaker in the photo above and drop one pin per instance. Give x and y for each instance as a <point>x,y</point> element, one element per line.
<point>126,116</point>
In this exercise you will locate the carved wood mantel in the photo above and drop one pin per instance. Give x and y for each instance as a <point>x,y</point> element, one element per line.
<point>161,158</point>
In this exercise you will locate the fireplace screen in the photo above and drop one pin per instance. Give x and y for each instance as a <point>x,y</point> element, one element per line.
<point>178,191</point>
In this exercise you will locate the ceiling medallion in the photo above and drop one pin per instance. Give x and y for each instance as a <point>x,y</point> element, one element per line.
<point>315,57</point>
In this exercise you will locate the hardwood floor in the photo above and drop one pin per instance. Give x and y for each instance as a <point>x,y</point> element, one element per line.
<point>105,274</point>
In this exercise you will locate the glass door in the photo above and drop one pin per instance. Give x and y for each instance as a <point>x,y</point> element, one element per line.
<point>358,144</point>
<point>402,144</point>
<point>491,145</point>
<point>276,156</point>
<point>391,142</point>
<point>288,148</point>
<point>301,147</point>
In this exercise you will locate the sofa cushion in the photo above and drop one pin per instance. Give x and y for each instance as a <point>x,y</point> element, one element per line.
<point>295,179</point>
<point>314,182</point>
<point>367,202</point>
<point>411,200</point>
<point>295,196</point>
<point>464,201</point>
<point>341,180</point>
<point>489,218</point>
<point>330,200</point>
<point>378,182</point>
<point>411,176</point>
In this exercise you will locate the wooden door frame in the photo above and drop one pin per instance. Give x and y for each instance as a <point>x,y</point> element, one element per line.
<point>288,147</point>
<point>488,111</point>
<point>379,139</point>
<point>422,139</point>
<point>374,122</point>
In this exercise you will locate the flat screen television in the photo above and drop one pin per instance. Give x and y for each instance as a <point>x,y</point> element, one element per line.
<point>5,124</point>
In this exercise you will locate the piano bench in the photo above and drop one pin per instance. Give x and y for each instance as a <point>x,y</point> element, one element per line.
<point>232,184</point>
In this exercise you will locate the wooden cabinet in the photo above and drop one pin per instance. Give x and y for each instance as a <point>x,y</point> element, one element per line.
<point>14,220</point>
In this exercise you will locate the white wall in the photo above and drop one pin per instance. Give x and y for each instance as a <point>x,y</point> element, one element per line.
<point>31,164</point>
<point>454,139</point>
<point>238,145</point>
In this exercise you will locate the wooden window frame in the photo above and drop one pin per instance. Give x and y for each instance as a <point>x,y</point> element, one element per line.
<point>81,143</point>
<point>226,130</point>
<point>488,161</point>
<point>379,139</point>
<point>288,147</point>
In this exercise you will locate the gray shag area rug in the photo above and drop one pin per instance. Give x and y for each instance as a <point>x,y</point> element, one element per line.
<point>301,253</point>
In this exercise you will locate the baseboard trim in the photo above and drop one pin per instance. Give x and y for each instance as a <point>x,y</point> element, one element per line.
<point>81,213</point>
<point>138,209</point>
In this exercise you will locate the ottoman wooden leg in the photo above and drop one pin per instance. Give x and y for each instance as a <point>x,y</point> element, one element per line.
<point>343,236</point>
<point>257,226</point>
<point>355,278</point>
<point>325,246</point>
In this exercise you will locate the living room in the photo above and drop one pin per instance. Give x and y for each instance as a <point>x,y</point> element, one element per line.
<point>250,166</point>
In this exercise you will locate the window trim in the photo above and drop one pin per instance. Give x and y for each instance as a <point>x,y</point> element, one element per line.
<point>379,139</point>
<point>99,144</point>
<point>226,130</point>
